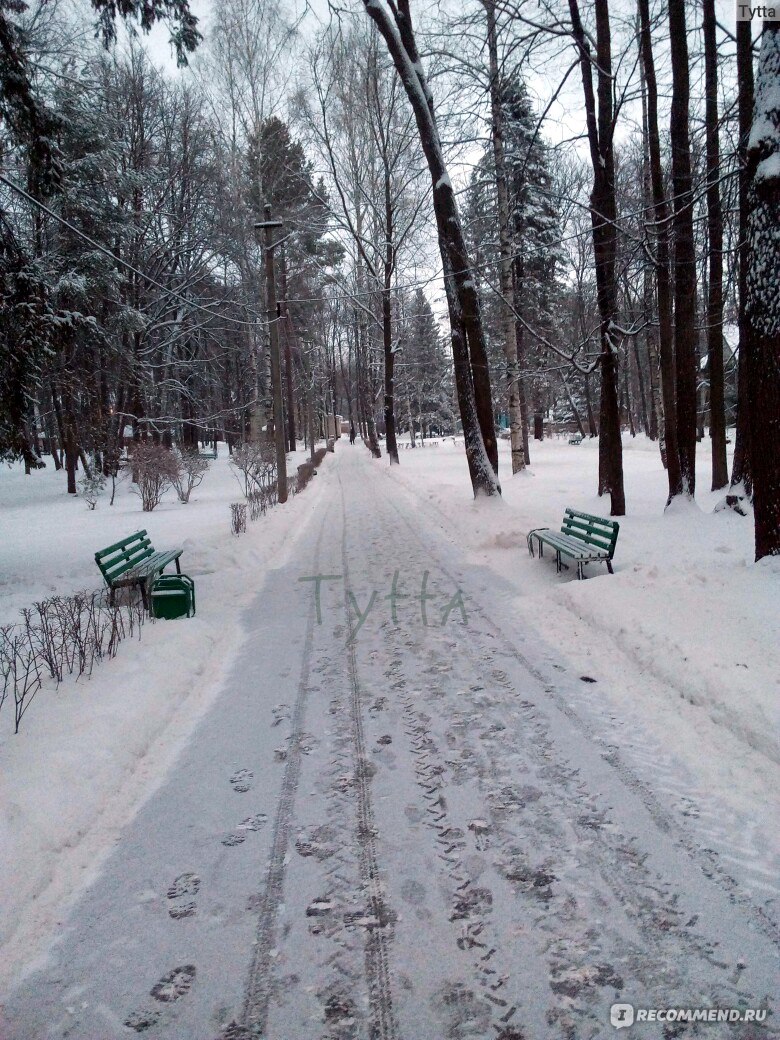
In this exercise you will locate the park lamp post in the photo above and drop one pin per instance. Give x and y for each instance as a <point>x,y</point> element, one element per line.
<point>268,226</point>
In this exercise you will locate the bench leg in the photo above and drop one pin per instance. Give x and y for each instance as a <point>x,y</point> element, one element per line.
<point>144,597</point>
<point>111,596</point>
<point>609,566</point>
<point>178,566</point>
<point>580,573</point>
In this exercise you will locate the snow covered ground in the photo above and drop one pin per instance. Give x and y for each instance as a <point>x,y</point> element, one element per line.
<point>89,753</point>
<point>684,639</point>
<point>560,843</point>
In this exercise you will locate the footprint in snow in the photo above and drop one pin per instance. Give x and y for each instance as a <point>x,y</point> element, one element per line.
<point>238,836</point>
<point>241,780</point>
<point>182,910</point>
<point>183,885</point>
<point>175,984</point>
<point>140,1021</point>
<point>252,823</point>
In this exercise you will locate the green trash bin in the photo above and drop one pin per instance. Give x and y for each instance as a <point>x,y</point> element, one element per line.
<point>173,596</point>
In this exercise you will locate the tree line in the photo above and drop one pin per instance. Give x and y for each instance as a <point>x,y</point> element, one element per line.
<point>621,277</point>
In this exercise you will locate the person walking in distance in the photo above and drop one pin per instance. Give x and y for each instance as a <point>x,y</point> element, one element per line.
<point>352,434</point>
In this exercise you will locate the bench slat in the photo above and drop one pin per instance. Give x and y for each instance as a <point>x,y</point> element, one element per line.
<point>593,529</point>
<point>587,535</point>
<point>119,545</point>
<point>126,554</point>
<point>124,562</point>
<point>573,547</point>
<point>156,562</point>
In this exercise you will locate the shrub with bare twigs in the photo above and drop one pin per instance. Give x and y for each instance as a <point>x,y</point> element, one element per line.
<point>156,469</point>
<point>238,517</point>
<point>63,635</point>
<point>192,469</point>
<point>254,466</point>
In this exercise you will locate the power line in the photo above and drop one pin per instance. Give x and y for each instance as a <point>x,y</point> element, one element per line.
<point>124,263</point>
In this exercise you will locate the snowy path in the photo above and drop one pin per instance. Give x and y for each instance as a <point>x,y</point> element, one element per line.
<point>393,829</point>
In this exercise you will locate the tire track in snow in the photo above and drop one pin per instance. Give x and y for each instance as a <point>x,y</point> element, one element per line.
<point>378,937</point>
<point>259,987</point>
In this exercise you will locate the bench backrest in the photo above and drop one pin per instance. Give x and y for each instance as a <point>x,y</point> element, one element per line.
<point>594,530</point>
<point>122,556</point>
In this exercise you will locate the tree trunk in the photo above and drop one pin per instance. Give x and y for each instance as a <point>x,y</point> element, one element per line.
<point>71,445</point>
<point>684,251</point>
<point>668,441</point>
<point>288,362</point>
<point>640,378</point>
<point>538,425</point>
<point>505,247</point>
<point>741,472</point>
<point>572,405</point>
<point>763,296</point>
<point>387,328</point>
<point>720,473</point>
<point>387,334</point>
<point>517,273</point>
<point>603,211</point>
<point>593,430</point>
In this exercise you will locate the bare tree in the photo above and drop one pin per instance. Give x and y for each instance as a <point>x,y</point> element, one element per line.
<point>469,350</point>
<point>374,165</point>
<point>603,210</point>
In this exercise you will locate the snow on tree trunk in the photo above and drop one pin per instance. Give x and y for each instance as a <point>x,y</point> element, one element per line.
<point>763,295</point>
<point>469,352</point>
<point>741,472</point>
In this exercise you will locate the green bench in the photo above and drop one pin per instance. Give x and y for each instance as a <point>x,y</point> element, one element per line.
<point>133,561</point>
<point>582,538</point>
<point>576,438</point>
<point>208,453</point>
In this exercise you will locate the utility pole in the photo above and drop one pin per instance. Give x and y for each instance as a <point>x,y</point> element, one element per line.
<point>268,226</point>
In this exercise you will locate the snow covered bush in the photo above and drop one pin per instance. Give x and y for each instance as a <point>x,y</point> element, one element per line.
<point>91,486</point>
<point>254,466</point>
<point>60,636</point>
<point>155,469</point>
<point>192,469</point>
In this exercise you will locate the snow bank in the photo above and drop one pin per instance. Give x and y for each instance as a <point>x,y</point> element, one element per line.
<point>91,752</point>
